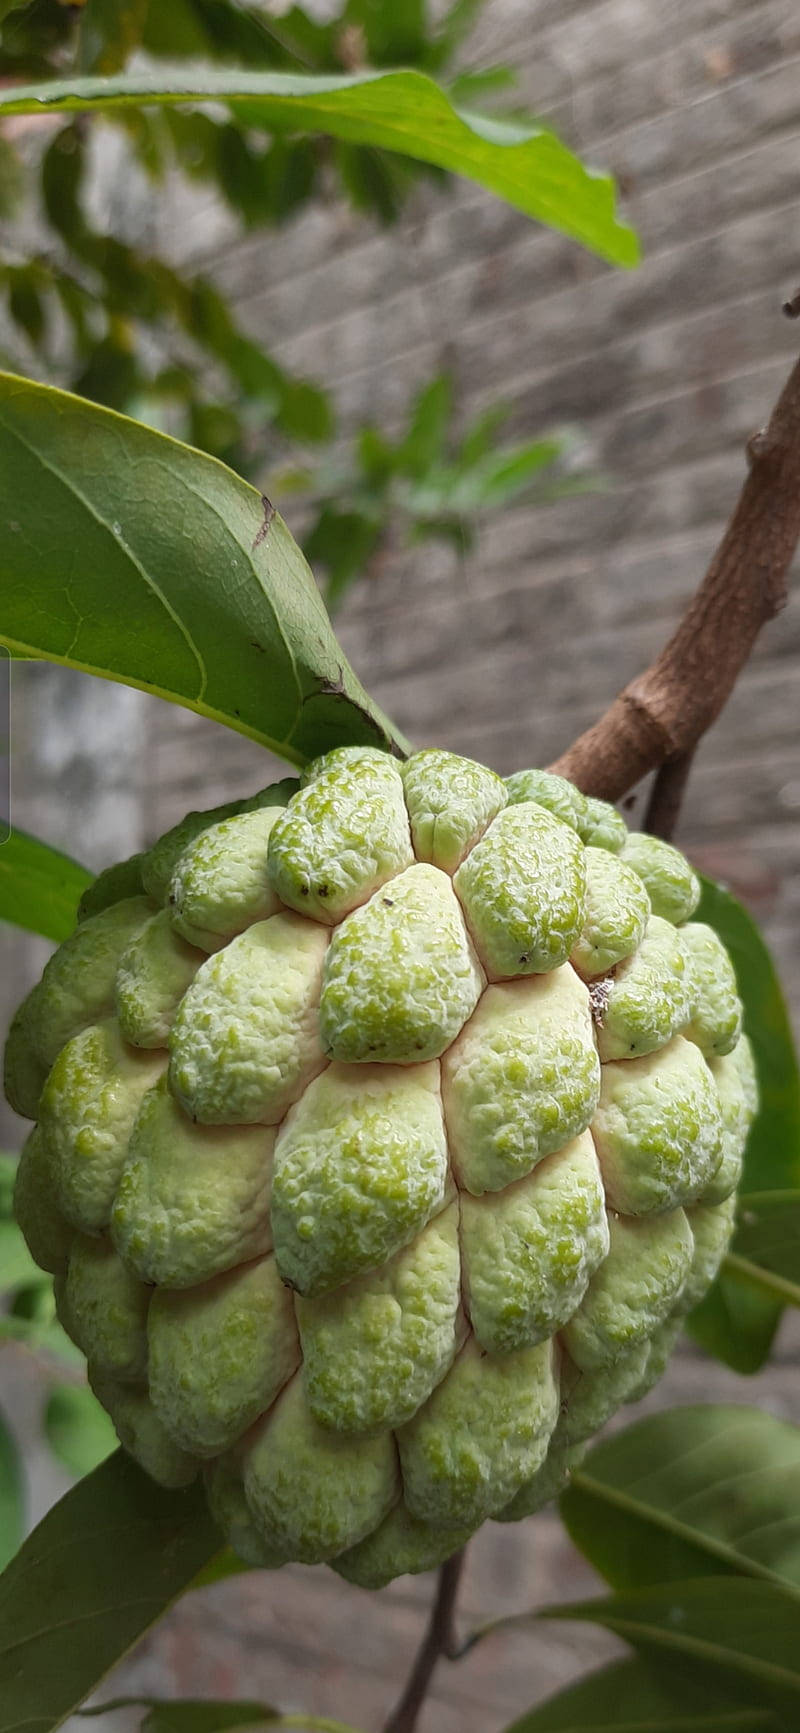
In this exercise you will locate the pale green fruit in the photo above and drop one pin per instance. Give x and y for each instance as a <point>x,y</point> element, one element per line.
<point>481,1435</point>
<point>153,975</point>
<point>522,1079</point>
<point>672,886</point>
<point>735,1078</point>
<point>192,1200</point>
<point>375,1349</point>
<point>367,1113</point>
<point>360,1167</point>
<point>558,796</point>
<point>716,1023</point>
<point>107,1307</point>
<point>634,1290</point>
<point>47,1233</point>
<point>648,998</point>
<point>523,888</point>
<point>530,1250</point>
<point>341,838</point>
<point>617,911</point>
<point>219,1353</point>
<point>220,883</point>
<point>87,1112</point>
<point>450,801</point>
<point>658,1129</point>
<point>245,1041</point>
<point>401,977</point>
<point>316,1492</point>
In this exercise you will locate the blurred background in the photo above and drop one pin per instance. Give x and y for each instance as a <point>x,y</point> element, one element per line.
<point>509,465</point>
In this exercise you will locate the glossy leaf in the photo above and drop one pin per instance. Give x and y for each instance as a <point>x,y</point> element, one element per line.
<point>105,1562</point>
<point>634,1695</point>
<point>12,1495</point>
<point>40,888</point>
<point>77,1429</point>
<point>690,1492</point>
<point>738,1637</point>
<point>738,1318</point>
<point>204,1716</point>
<point>398,111</point>
<point>126,554</point>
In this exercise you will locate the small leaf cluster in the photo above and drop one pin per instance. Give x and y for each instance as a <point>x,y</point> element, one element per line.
<point>428,482</point>
<point>123,327</point>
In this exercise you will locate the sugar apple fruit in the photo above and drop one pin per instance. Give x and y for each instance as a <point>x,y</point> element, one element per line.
<point>388,1126</point>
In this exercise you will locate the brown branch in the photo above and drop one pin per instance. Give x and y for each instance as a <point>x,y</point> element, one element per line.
<point>663,713</point>
<point>666,795</point>
<point>439,1640</point>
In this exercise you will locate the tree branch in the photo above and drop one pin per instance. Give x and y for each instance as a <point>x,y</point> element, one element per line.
<point>661,716</point>
<point>439,1640</point>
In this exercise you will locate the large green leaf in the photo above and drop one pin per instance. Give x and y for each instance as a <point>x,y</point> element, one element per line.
<point>12,1495</point>
<point>127,554</point>
<point>690,1492</point>
<point>737,1636</point>
<point>398,111</point>
<point>106,1561</point>
<point>633,1697</point>
<point>39,888</point>
<point>199,1716</point>
<point>766,1250</point>
<point>738,1318</point>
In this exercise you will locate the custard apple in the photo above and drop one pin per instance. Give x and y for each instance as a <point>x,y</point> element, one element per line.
<point>388,1125</point>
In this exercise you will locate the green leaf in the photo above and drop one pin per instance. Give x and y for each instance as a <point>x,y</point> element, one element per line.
<point>687,1493</point>
<point>126,554</point>
<point>430,416</point>
<point>740,1638</point>
<point>633,1695</point>
<point>767,1244</point>
<point>205,1716</point>
<point>105,1562</point>
<point>40,888</point>
<point>78,1430</point>
<point>738,1318</point>
<point>400,111</point>
<point>12,1496</point>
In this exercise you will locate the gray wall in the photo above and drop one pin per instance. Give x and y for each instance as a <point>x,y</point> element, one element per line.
<point>508,653</point>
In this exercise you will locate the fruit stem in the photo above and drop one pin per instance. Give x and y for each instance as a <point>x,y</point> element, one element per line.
<point>439,1640</point>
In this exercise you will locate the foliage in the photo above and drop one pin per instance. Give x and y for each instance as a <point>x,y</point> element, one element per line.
<point>427,483</point>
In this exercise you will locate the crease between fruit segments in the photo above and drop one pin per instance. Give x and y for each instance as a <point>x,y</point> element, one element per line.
<point>387,1126</point>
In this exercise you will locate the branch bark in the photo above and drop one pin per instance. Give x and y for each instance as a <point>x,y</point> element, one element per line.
<point>662,714</point>
<point>439,1640</point>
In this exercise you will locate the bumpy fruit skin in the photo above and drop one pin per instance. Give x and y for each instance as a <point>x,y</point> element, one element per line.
<point>388,1127</point>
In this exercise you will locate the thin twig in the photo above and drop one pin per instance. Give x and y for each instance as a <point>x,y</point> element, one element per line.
<point>663,713</point>
<point>666,795</point>
<point>439,1640</point>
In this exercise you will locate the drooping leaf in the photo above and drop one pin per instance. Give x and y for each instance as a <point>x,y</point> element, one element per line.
<point>690,1492</point>
<point>77,1429</point>
<point>126,554</point>
<point>729,1634</point>
<point>738,1318</point>
<point>40,888</point>
<point>399,111</point>
<point>12,1496</point>
<point>104,1563</point>
<point>205,1716</point>
<point>634,1697</point>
